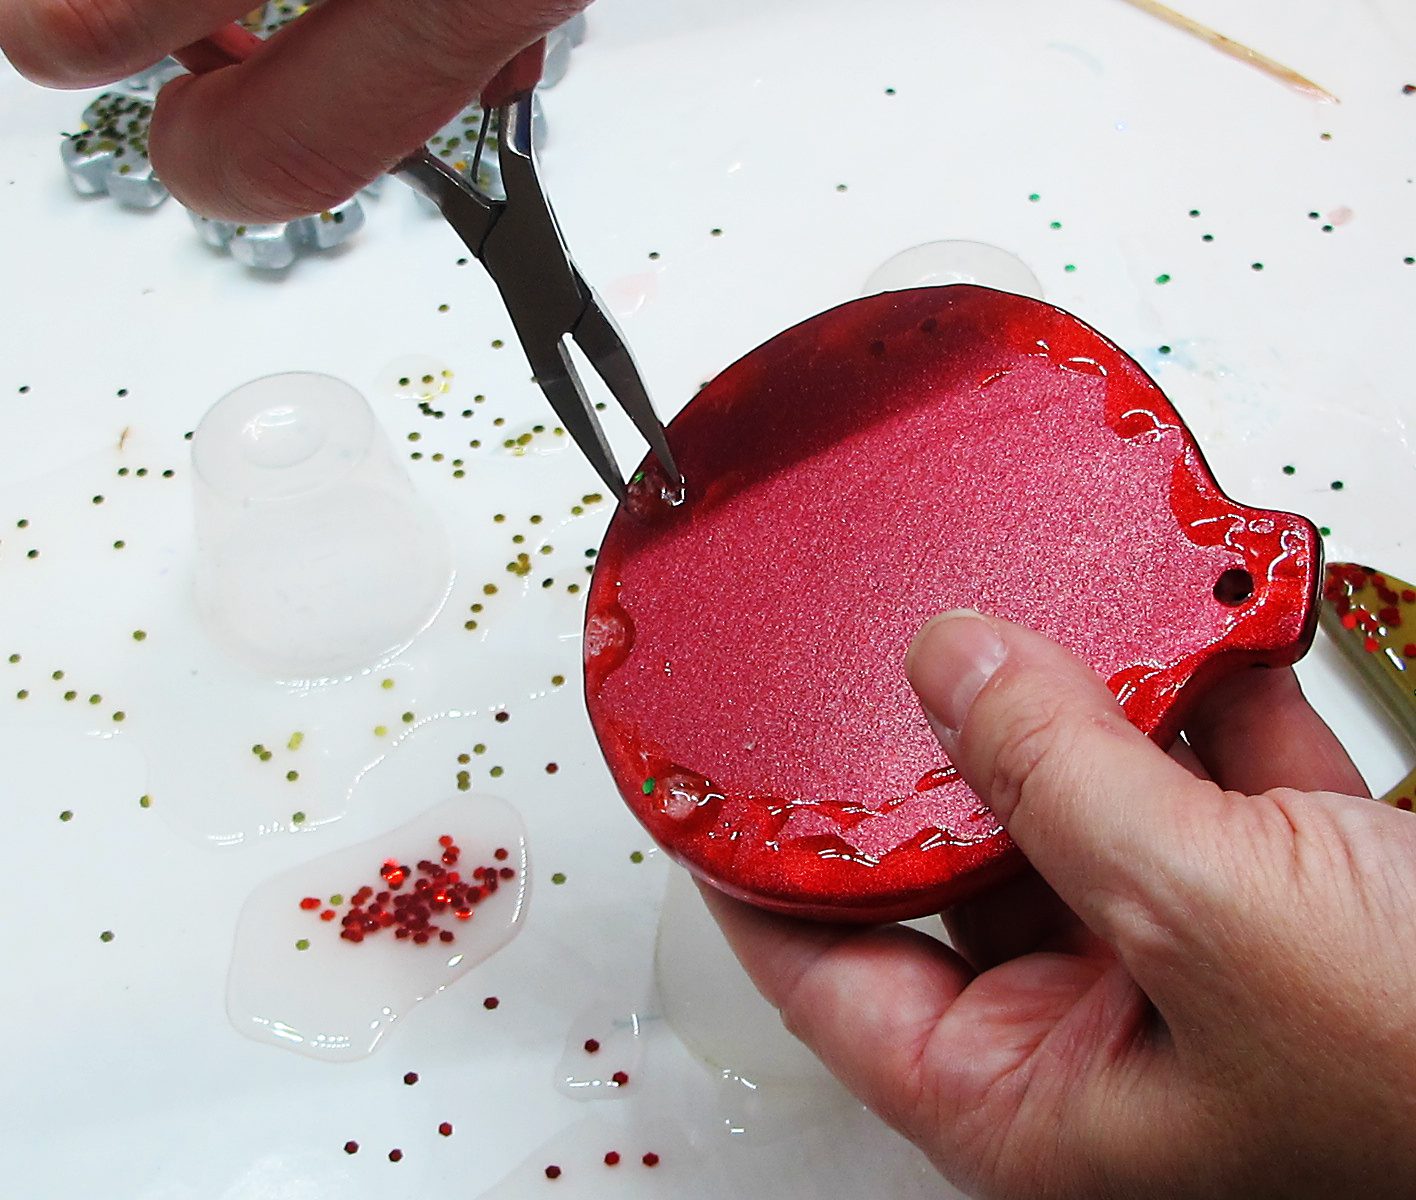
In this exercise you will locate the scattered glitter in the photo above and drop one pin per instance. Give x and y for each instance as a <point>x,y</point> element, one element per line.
<point>351,1147</point>
<point>490,1002</point>
<point>651,1159</point>
<point>445,1129</point>
<point>553,1172</point>
<point>1162,279</point>
<point>410,1078</point>
<point>612,1158</point>
<point>106,936</point>
<point>395,1155</point>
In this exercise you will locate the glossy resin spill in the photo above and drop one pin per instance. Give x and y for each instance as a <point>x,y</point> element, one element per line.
<point>331,988</point>
<point>903,455</point>
<point>603,1055</point>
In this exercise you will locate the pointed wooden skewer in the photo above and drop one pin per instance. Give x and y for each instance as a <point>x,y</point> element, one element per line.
<point>1235,49</point>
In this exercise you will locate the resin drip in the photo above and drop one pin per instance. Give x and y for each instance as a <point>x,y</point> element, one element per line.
<point>294,982</point>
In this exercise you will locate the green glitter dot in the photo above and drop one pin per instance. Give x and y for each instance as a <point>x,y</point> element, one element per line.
<point>1070,268</point>
<point>139,635</point>
<point>1055,225</point>
<point>1325,531</point>
<point>1209,237</point>
<point>303,944</point>
<point>106,936</point>
<point>297,739</point>
<point>497,343</point>
<point>266,756</point>
<point>144,801</point>
<point>889,91</point>
<point>1162,279</point>
<point>119,544</point>
<point>1337,485</point>
<point>22,694</point>
<point>408,718</point>
<point>95,699</point>
<point>1290,470</point>
<point>66,815</point>
<point>98,500</point>
<point>71,695</point>
<point>120,716</point>
<point>32,554</point>
<point>557,680</point>
<point>57,675</point>
<point>1035,197</point>
<point>1165,349</point>
<point>442,308</point>
<point>479,748</point>
<point>496,772</point>
<point>14,658</point>
<point>380,730</point>
<point>292,776</point>
<point>386,683</point>
<point>558,878</point>
<point>297,818</point>
<point>336,900</point>
<point>648,786</point>
<point>1258,266</point>
<point>1194,212</point>
<point>636,856</point>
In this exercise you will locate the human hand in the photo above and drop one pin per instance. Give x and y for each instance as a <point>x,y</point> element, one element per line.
<point>1200,993</point>
<point>327,105</point>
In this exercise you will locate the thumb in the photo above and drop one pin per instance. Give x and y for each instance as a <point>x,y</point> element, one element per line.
<point>1112,823</point>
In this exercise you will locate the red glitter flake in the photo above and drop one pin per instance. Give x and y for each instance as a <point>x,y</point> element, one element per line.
<point>1371,645</point>
<point>1409,650</point>
<point>436,891</point>
<point>1349,620</point>
<point>1391,616</point>
<point>1408,596</point>
<point>650,1160</point>
<point>553,1172</point>
<point>591,1045</point>
<point>351,1147</point>
<point>395,1155</point>
<point>411,1078</point>
<point>445,1129</point>
<point>620,1078</point>
<point>503,717</point>
<point>1404,803</point>
<point>500,854</point>
<point>551,768</point>
<point>490,1002</point>
<point>612,1158</point>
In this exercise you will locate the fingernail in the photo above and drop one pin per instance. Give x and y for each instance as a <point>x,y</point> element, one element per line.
<point>949,662</point>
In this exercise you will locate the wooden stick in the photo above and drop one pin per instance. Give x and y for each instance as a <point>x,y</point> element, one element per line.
<point>1234,49</point>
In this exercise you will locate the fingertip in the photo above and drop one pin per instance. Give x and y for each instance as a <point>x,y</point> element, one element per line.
<point>229,168</point>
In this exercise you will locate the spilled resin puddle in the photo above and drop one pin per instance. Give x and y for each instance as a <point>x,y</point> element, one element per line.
<point>296,982</point>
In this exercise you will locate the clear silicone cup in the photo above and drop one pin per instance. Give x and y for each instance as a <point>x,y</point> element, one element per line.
<point>315,556</point>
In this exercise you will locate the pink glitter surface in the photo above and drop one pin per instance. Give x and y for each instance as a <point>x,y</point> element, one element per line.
<point>894,458</point>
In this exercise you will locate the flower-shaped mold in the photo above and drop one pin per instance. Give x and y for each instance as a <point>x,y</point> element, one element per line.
<point>109,154</point>
<point>904,455</point>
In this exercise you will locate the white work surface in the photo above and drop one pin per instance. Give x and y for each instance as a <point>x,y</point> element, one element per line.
<point>121,1075</point>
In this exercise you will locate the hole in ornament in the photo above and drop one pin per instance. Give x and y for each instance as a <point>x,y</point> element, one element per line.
<point>1234,587</point>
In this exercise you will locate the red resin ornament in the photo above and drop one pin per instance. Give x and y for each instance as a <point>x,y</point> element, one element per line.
<point>894,458</point>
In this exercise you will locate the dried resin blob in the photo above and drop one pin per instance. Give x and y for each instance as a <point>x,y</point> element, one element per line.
<point>894,458</point>
<point>330,954</point>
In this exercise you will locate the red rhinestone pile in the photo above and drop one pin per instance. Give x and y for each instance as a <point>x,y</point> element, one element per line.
<point>438,892</point>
